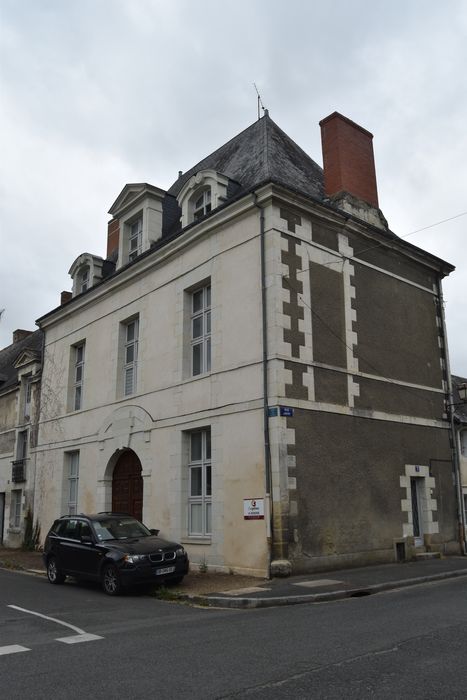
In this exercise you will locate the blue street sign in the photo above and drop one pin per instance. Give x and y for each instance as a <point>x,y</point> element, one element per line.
<point>286,411</point>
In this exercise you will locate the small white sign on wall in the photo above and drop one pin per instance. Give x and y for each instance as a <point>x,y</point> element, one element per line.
<point>253,508</point>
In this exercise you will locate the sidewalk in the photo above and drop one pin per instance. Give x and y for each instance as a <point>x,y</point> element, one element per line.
<point>334,585</point>
<point>232,591</point>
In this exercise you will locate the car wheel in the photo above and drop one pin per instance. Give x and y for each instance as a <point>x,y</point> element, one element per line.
<point>54,574</point>
<point>111,582</point>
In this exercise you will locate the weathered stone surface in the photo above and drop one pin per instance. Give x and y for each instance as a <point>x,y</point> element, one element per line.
<point>281,568</point>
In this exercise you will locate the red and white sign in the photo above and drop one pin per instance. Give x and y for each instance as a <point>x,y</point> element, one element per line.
<point>253,508</point>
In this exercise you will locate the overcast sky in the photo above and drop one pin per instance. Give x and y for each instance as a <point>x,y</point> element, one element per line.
<point>98,93</point>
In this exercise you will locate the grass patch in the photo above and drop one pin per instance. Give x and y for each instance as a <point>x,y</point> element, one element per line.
<point>7,564</point>
<point>164,593</point>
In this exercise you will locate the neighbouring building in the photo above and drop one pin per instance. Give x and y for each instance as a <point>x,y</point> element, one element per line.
<point>460,429</point>
<point>258,366</point>
<point>20,373</point>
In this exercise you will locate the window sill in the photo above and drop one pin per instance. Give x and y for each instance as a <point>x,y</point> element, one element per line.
<point>196,540</point>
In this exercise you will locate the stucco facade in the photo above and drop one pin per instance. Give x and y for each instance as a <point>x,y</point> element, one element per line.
<point>168,403</point>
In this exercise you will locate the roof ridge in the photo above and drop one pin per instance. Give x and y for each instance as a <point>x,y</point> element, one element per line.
<point>267,122</point>
<point>289,138</point>
<point>197,166</point>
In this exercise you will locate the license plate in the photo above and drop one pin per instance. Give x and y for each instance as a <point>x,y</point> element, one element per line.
<point>166,570</point>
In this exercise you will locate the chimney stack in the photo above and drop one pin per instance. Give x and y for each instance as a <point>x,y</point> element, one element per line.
<point>64,297</point>
<point>20,334</point>
<point>113,235</point>
<point>348,160</point>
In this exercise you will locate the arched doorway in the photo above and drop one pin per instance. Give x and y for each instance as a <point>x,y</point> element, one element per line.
<point>127,485</point>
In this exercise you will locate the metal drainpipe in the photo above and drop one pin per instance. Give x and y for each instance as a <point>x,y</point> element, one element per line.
<point>267,451</point>
<point>37,417</point>
<point>454,448</point>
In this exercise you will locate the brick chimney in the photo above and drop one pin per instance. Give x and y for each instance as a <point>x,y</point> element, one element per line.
<point>113,236</point>
<point>64,297</point>
<point>348,159</point>
<point>20,334</point>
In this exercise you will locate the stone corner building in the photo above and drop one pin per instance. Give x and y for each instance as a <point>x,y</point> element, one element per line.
<point>258,366</point>
<point>20,375</point>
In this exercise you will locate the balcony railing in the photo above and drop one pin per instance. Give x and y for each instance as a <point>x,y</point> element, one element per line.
<point>18,471</point>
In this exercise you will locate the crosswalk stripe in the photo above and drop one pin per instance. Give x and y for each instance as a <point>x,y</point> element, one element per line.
<point>12,649</point>
<point>77,638</point>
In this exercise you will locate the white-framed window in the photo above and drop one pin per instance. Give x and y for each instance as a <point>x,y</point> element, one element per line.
<point>135,238</point>
<point>72,459</point>
<point>78,376</point>
<point>22,445</point>
<point>130,356</point>
<point>201,330</point>
<point>27,396</point>
<point>202,204</point>
<point>200,488</point>
<point>83,279</point>
<point>15,509</point>
<point>202,193</point>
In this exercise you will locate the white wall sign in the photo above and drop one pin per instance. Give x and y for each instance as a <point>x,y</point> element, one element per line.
<point>253,508</point>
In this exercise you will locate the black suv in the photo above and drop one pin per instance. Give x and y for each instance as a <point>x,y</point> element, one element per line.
<point>113,548</point>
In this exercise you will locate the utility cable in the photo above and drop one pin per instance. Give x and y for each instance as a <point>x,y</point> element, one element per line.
<point>384,243</point>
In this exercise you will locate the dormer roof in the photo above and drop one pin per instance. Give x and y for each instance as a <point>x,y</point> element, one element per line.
<point>131,194</point>
<point>26,357</point>
<point>17,355</point>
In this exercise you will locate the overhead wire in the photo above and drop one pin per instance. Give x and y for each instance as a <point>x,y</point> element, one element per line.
<point>384,243</point>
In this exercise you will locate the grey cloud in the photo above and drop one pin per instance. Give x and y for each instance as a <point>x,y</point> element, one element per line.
<point>97,94</point>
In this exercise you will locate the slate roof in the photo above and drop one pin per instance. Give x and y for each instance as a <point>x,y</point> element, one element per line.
<point>8,356</point>
<point>259,154</point>
<point>460,413</point>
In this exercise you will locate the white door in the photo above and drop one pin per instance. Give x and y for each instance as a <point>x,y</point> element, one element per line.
<point>416,487</point>
<point>2,515</point>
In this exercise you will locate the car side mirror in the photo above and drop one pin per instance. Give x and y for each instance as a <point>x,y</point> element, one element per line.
<point>87,539</point>
<point>153,531</point>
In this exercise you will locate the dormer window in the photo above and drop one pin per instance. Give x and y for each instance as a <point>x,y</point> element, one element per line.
<point>135,239</point>
<point>202,205</point>
<point>85,272</point>
<point>137,221</point>
<point>201,194</point>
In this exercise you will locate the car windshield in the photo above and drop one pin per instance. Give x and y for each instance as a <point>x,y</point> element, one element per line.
<point>119,529</point>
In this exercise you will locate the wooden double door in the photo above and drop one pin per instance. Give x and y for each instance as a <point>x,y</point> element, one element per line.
<point>127,486</point>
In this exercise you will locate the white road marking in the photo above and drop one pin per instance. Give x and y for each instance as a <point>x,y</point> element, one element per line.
<point>46,617</point>
<point>12,649</point>
<point>76,638</point>
<point>83,636</point>
<point>245,591</point>
<point>317,582</point>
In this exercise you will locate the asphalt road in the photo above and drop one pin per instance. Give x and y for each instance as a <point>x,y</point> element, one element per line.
<point>410,643</point>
